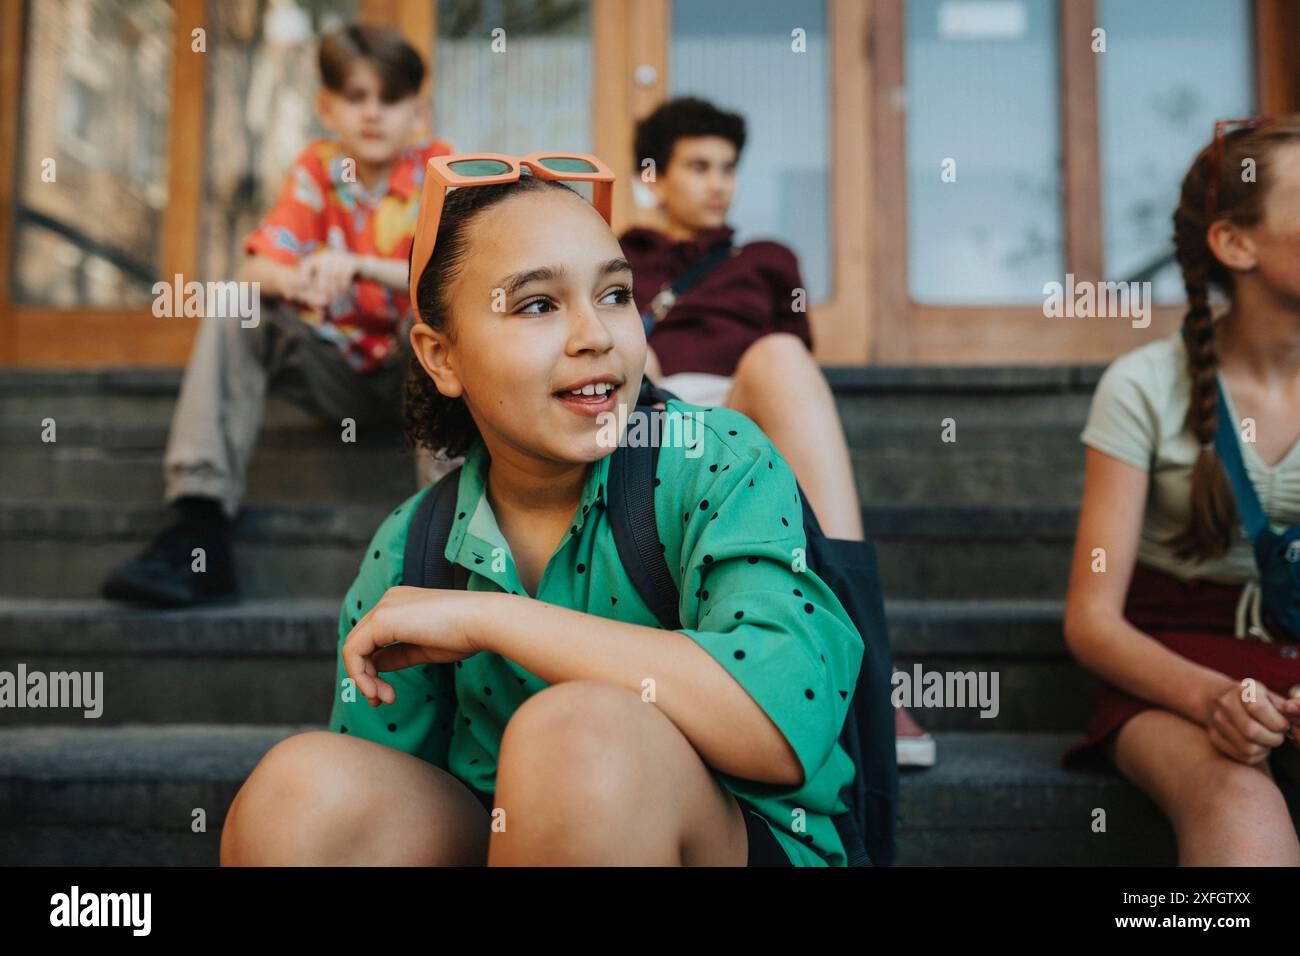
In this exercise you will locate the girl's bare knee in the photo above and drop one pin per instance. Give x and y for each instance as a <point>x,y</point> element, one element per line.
<point>284,811</point>
<point>1226,791</point>
<point>565,749</point>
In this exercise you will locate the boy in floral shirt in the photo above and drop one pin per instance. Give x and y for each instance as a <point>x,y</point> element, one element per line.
<point>331,260</point>
<point>335,236</point>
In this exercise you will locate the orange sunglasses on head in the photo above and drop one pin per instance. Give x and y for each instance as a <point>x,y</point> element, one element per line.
<point>486,169</point>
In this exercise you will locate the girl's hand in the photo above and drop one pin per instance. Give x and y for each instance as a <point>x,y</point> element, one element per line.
<point>1247,730</point>
<point>409,626</point>
<point>1290,708</point>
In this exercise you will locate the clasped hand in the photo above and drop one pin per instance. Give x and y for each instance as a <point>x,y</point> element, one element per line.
<point>1247,731</point>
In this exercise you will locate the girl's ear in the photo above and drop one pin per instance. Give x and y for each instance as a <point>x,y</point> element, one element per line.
<point>432,351</point>
<point>1232,246</point>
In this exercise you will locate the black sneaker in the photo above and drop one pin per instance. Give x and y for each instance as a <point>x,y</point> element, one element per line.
<point>163,575</point>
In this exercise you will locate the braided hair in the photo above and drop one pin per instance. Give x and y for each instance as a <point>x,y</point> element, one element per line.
<point>1213,513</point>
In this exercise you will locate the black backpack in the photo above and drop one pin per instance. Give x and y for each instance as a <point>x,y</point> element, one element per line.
<point>868,828</point>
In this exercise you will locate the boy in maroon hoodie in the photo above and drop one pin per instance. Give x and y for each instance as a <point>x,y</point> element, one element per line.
<point>736,336</point>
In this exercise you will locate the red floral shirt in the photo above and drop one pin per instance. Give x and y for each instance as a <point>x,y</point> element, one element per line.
<point>319,208</point>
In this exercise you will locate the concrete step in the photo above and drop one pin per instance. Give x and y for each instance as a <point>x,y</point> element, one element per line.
<point>64,549</point>
<point>1007,395</point>
<point>255,662</point>
<point>128,795</point>
<point>1017,643</point>
<point>308,463</point>
<point>1015,439</point>
<point>1003,799</point>
<point>971,552</point>
<point>110,456</point>
<point>123,796</point>
<point>988,465</point>
<point>272,661</point>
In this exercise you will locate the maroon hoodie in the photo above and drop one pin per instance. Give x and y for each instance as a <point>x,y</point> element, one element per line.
<point>740,300</point>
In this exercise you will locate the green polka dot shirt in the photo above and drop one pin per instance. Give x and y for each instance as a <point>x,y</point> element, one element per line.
<point>730,520</point>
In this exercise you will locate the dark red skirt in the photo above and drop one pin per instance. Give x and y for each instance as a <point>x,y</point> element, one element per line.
<point>1197,619</point>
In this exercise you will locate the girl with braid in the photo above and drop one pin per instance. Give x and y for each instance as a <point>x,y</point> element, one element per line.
<point>1199,696</point>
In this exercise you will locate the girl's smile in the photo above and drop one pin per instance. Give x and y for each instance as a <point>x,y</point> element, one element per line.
<point>592,396</point>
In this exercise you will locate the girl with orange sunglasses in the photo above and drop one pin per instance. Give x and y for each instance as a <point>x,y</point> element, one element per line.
<point>541,715</point>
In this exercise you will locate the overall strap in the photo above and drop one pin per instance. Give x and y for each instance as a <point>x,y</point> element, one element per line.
<point>632,519</point>
<point>1225,443</point>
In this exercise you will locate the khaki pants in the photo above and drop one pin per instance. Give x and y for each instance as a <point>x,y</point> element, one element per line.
<point>219,412</point>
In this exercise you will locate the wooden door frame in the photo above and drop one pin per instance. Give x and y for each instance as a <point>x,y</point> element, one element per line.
<point>841,325</point>
<point>911,333</point>
<point>43,336</point>
<point>869,318</point>
<point>84,337</point>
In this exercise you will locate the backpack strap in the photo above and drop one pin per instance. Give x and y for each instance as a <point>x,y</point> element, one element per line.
<point>631,516</point>
<point>424,562</point>
<point>672,291</point>
<point>1225,443</point>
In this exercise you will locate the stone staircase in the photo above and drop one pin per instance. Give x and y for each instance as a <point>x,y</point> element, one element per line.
<point>973,538</point>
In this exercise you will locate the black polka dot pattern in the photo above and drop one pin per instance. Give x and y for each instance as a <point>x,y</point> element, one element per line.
<point>742,556</point>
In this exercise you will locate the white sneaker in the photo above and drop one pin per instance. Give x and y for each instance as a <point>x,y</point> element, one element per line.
<point>915,748</point>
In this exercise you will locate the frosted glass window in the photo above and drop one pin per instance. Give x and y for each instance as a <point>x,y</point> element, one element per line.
<point>91,182</point>
<point>1170,70</point>
<point>982,94</point>
<point>739,54</point>
<point>513,78</point>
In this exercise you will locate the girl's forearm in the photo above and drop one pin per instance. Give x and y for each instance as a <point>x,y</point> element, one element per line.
<point>1139,664</point>
<point>724,724</point>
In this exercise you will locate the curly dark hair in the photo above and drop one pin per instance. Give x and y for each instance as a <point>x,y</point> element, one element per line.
<point>441,424</point>
<point>681,117</point>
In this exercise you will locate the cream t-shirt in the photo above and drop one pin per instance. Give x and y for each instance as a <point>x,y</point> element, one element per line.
<point>1137,416</point>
